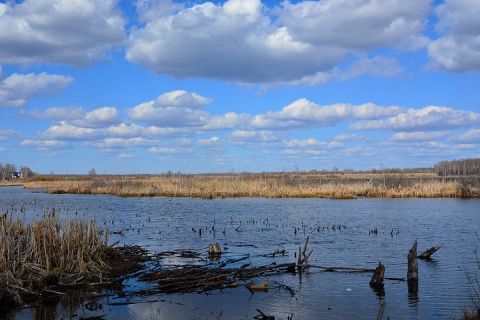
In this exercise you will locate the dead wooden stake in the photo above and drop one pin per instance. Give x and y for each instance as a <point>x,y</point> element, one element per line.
<point>303,254</point>
<point>412,273</point>
<point>306,244</point>
<point>428,253</point>
<point>377,278</point>
<point>299,262</point>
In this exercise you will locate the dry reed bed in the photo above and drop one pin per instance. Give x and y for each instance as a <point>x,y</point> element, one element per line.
<point>268,186</point>
<point>48,254</point>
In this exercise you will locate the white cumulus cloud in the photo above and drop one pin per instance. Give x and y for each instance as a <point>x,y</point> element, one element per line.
<point>431,118</point>
<point>356,25</point>
<point>7,134</point>
<point>66,131</point>
<point>62,31</point>
<point>458,49</point>
<point>420,136</point>
<point>17,89</point>
<point>472,135</point>
<point>245,41</point>
<point>43,145</point>
<point>173,109</point>
<point>98,118</point>
<point>303,114</point>
<point>109,144</point>
<point>55,113</point>
<point>170,150</point>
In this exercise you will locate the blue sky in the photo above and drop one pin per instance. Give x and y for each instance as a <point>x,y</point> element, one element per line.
<point>150,86</point>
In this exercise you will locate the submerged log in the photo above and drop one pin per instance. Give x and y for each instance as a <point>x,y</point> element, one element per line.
<point>428,253</point>
<point>339,269</point>
<point>412,273</point>
<point>377,278</point>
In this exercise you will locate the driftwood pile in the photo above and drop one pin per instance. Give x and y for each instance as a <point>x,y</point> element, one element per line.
<point>229,273</point>
<point>187,279</point>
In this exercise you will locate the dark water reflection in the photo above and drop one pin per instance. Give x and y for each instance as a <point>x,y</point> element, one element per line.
<point>268,225</point>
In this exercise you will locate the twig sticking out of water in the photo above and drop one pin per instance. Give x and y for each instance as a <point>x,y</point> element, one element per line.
<point>263,316</point>
<point>303,256</point>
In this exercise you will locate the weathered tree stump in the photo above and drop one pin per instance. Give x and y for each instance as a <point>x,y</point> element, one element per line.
<point>377,278</point>
<point>413,292</point>
<point>214,251</point>
<point>428,253</point>
<point>214,248</point>
<point>412,273</point>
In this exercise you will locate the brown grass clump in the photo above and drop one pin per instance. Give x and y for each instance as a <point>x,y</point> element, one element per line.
<point>48,255</point>
<point>269,185</point>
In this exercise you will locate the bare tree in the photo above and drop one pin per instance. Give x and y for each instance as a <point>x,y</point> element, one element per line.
<point>27,172</point>
<point>8,170</point>
<point>458,167</point>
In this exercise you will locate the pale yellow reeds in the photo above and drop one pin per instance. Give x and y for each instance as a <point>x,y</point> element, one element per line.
<point>47,253</point>
<point>267,185</point>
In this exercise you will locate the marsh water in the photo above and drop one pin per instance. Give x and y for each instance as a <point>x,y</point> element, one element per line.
<point>255,227</point>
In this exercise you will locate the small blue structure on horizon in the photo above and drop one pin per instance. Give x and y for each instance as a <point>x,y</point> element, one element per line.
<point>16,175</point>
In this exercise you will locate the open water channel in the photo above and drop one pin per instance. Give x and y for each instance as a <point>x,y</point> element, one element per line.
<point>267,225</point>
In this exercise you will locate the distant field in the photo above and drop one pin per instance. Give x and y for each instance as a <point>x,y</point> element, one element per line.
<point>269,185</point>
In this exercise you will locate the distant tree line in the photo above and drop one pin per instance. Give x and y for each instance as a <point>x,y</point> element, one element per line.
<point>9,171</point>
<point>335,170</point>
<point>458,167</point>
<point>462,167</point>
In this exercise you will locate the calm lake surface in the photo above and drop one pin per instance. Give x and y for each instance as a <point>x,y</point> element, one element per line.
<point>266,225</point>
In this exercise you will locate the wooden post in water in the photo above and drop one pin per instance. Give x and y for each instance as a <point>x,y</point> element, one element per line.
<point>412,273</point>
<point>377,278</point>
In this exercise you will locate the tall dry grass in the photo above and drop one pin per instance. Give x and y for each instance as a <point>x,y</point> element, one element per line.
<point>47,254</point>
<point>267,185</point>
